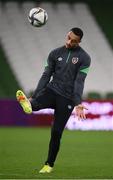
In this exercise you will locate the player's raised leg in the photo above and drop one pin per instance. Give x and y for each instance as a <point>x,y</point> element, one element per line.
<point>24,102</point>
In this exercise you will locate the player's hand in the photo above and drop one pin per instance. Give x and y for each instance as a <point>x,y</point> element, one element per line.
<point>79,110</point>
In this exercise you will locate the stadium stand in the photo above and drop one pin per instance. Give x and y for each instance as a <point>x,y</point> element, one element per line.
<point>27,47</point>
<point>8,83</point>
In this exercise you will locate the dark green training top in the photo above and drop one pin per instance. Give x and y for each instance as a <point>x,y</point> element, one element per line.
<point>65,72</point>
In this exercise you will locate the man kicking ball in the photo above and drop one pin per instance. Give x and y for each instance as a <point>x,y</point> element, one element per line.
<point>68,66</point>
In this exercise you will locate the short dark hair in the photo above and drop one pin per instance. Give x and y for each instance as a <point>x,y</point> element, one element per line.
<point>77,31</point>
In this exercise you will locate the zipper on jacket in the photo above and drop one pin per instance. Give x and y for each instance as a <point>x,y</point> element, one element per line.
<point>68,56</point>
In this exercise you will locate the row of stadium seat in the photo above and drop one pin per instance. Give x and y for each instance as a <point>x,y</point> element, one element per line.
<point>27,47</point>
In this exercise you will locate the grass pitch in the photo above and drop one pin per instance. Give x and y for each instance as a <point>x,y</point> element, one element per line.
<point>83,155</point>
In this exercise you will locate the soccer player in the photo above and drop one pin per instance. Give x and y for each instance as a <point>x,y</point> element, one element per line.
<point>61,88</point>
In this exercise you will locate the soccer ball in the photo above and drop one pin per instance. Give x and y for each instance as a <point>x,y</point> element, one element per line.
<point>38,17</point>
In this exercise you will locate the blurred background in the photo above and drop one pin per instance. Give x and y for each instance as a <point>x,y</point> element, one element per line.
<point>23,52</point>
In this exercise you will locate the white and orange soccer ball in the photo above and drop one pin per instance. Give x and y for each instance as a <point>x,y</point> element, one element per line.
<point>38,17</point>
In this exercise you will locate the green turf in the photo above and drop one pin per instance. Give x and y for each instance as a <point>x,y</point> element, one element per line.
<point>86,154</point>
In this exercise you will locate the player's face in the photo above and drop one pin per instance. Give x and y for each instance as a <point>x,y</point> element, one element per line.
<point>72,40</point>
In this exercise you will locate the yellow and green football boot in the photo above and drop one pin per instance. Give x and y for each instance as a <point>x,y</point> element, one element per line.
<point>24,102</point>
<point>46,169</point>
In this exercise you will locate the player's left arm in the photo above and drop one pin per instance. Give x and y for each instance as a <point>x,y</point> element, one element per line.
<point>79,87</point>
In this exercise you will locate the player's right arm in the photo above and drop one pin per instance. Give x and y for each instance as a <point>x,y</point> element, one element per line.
<point>46,76</point>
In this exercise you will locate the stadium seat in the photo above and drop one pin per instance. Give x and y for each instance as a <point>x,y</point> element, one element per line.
<point>27,47</point>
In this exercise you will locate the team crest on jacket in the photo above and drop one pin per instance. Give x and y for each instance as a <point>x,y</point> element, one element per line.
<point>74,60</point>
